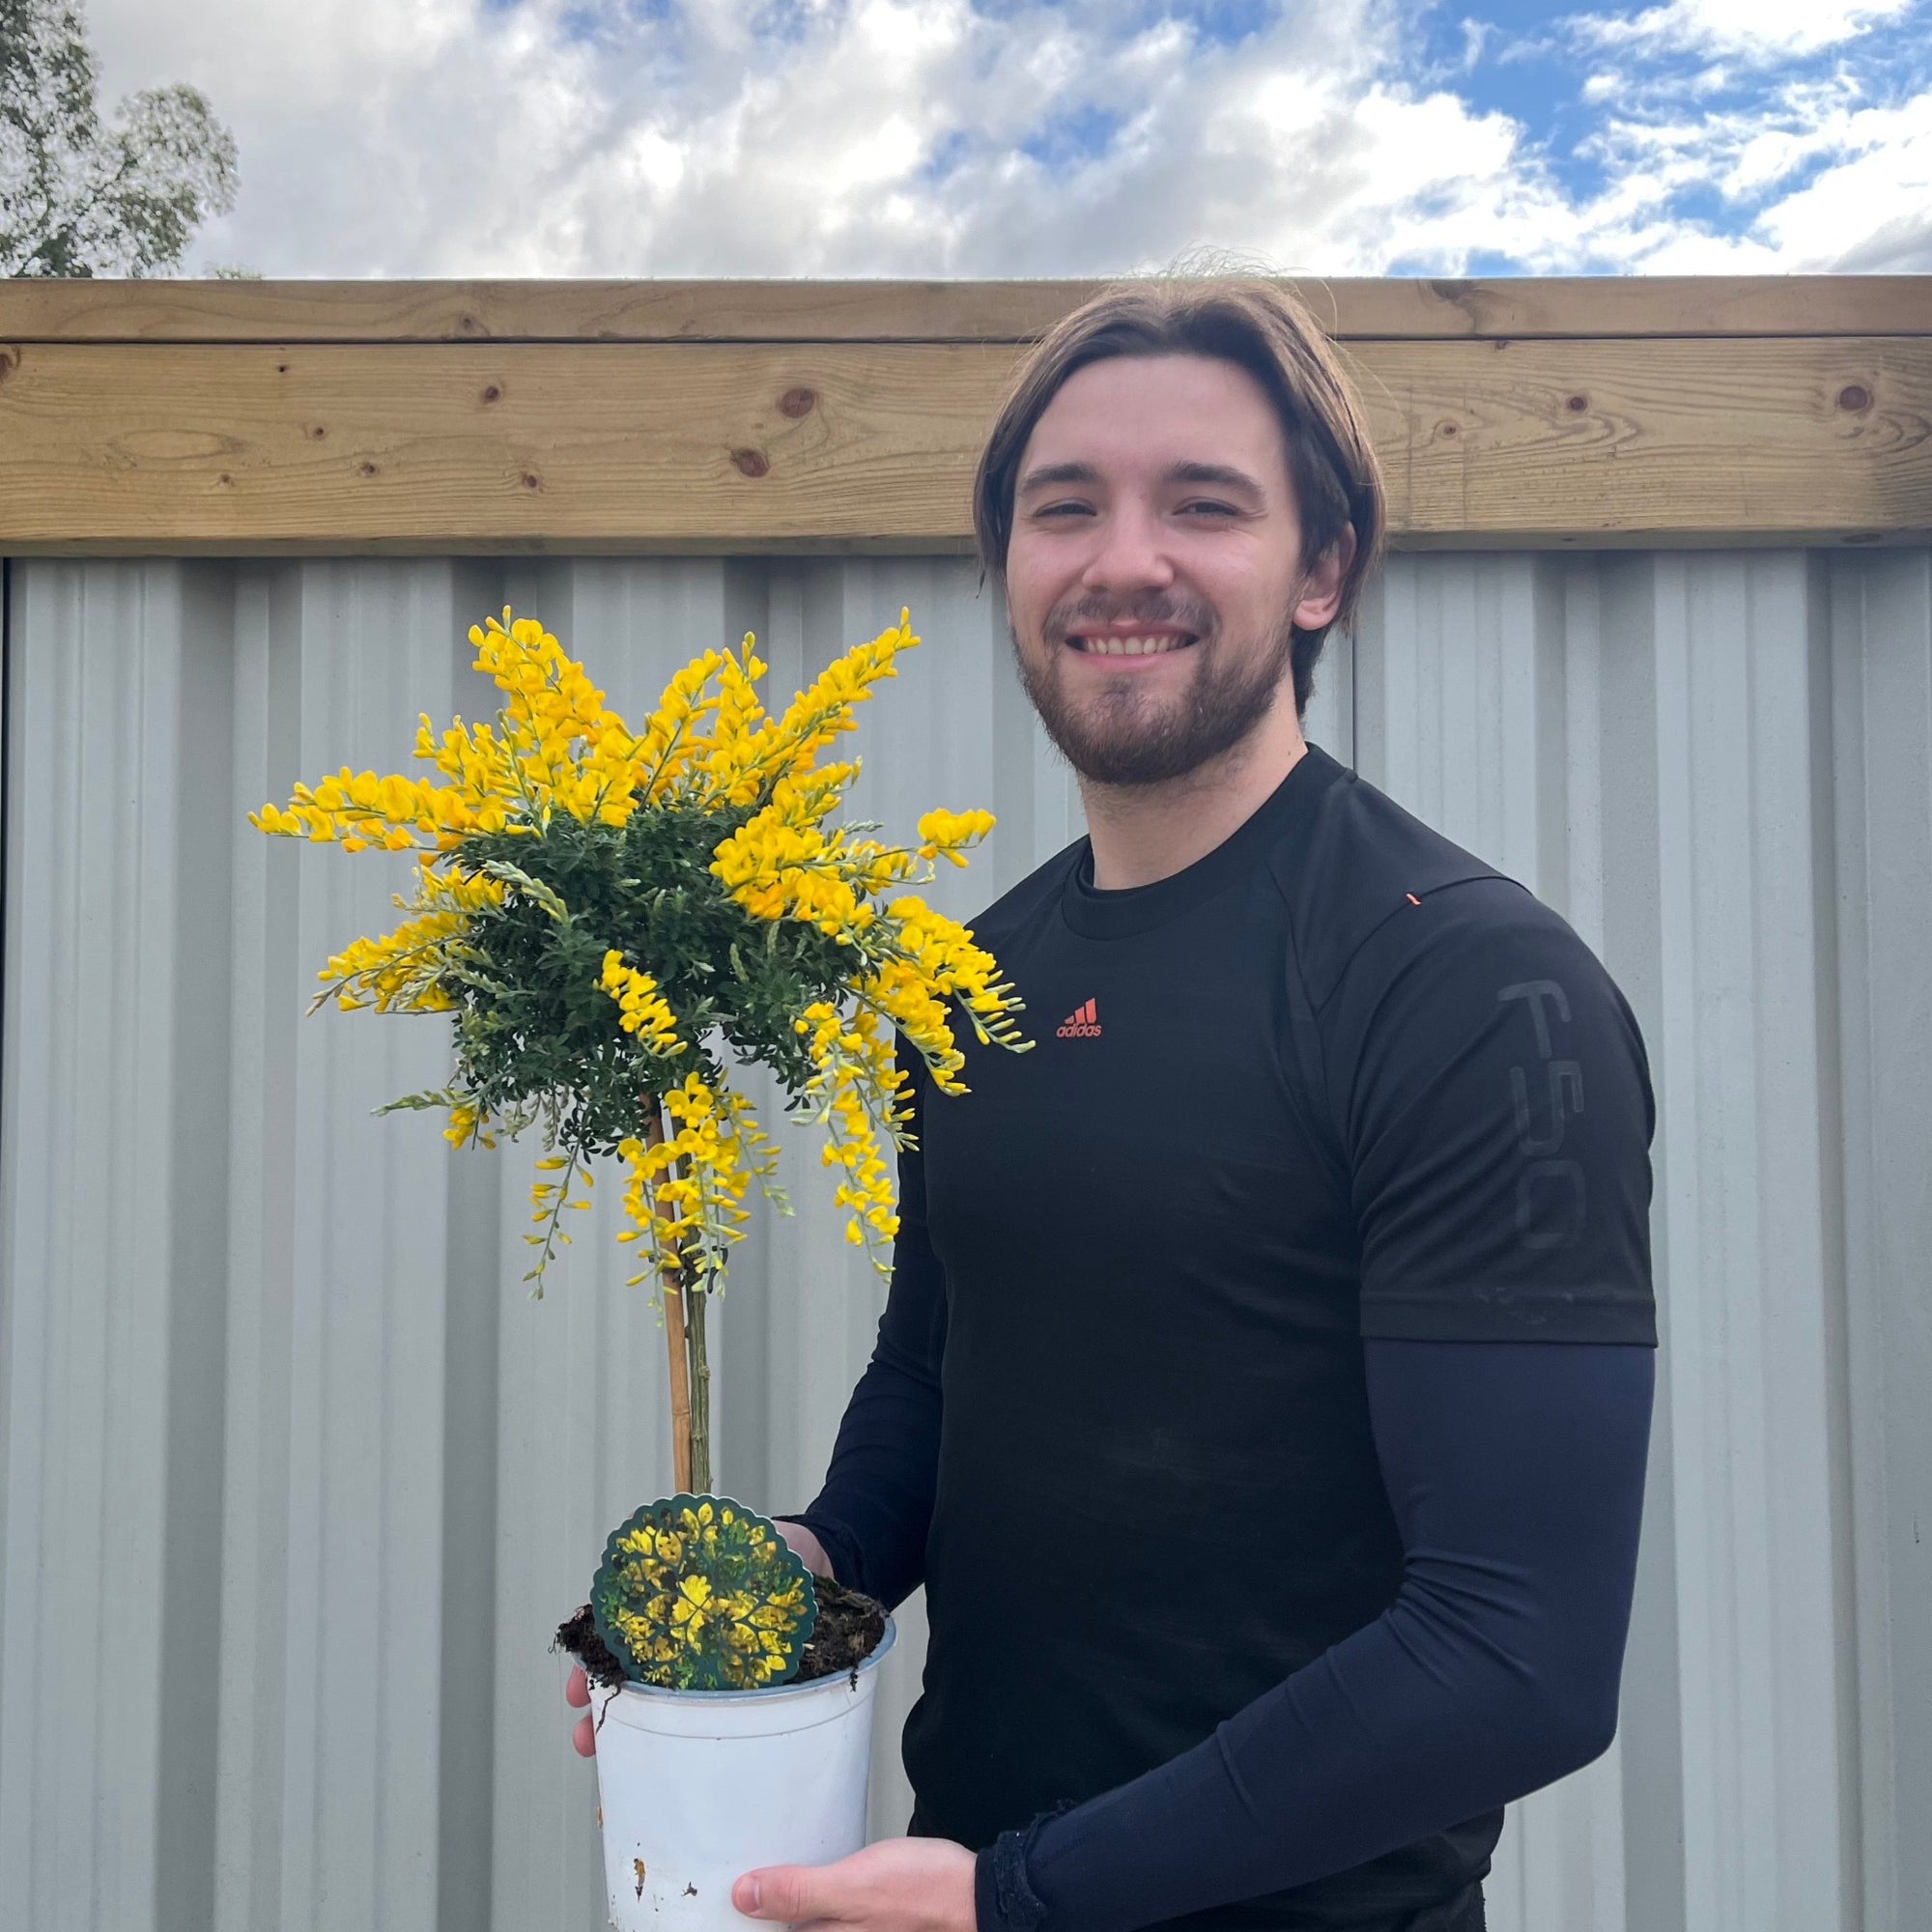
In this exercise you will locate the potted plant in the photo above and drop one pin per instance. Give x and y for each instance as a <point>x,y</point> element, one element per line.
<point>616,920</point>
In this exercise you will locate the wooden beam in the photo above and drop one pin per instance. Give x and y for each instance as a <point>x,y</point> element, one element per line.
<point>1661,443</point>
<point>480,447</point>
<point>419,447</point>
<point>1581,307</point>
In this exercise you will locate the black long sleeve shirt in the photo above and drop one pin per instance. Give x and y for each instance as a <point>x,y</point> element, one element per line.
<point>1263,1391</point>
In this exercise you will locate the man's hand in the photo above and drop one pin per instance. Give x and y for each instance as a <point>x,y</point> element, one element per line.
<point>900,1884</point>
<point>577,1686</point>
<point>806,1548</point>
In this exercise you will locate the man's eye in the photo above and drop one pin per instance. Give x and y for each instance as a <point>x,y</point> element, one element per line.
<point>1207,507</point>
<point>1049,510</point>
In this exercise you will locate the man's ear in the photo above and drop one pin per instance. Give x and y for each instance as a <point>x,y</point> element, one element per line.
<point>1322,589</point>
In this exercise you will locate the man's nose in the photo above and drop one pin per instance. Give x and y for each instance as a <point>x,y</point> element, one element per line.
<point>1130,552</point>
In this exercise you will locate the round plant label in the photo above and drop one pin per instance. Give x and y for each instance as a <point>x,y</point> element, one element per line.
<point>698,1593</point>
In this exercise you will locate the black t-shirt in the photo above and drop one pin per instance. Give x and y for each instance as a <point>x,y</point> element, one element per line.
<point>1339,1080</point>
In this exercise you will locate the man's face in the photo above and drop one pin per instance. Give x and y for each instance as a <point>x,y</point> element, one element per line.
<point>1155,573</point>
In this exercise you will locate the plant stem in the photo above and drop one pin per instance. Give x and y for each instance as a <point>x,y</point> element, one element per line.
<point>676,1344</point>
<point>678,1348</point>
<point>701,1396</point>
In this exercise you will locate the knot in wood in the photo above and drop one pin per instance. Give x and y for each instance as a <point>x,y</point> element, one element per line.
<point>1854,396</point>
<point>751,461</point>
<point>1578,403</point>
<point>493,393</point>
<point>796,403</point>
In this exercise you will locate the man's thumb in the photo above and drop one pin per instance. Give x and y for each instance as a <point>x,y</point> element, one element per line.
<point>779,1892</point>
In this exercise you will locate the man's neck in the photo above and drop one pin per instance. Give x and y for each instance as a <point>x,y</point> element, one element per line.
<point>1143,833</point>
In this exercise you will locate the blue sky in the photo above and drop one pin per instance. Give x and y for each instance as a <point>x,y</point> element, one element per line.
<point>1054,137</point>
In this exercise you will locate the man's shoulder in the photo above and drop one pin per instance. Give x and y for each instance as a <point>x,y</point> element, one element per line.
<point>1407,949</point>
<point>1361,861</point>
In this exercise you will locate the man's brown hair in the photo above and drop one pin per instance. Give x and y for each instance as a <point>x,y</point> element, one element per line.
<point>1259,325</point>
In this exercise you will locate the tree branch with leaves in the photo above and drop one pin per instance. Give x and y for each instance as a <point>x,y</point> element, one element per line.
<point>80,196</point>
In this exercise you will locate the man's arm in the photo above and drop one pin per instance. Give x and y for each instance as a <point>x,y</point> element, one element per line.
<point>1516,1474</point>
<point>873,1512</point>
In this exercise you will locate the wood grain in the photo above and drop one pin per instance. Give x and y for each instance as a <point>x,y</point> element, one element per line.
<point>1660,443</point>
<point>176,448</point>
<point>805,312</point>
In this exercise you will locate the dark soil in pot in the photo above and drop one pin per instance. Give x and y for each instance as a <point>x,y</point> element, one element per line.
<point>848,1629</point>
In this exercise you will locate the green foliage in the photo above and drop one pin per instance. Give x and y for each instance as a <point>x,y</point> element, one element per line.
<point>80,198</point>
<point>698,1593</point>
<point>534,1027</point>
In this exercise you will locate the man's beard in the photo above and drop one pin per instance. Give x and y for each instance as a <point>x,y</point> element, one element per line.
<point>1122,738</point>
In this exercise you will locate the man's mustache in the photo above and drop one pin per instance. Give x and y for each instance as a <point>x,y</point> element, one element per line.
<point>1182,613</point>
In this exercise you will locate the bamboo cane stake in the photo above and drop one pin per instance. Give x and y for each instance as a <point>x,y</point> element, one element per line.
<point>675,1341</point>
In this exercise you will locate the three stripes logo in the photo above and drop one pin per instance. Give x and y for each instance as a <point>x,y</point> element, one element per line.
<point>1082,1023</point>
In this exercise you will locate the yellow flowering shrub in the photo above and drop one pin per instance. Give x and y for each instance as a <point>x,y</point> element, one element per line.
<point>617,919</point>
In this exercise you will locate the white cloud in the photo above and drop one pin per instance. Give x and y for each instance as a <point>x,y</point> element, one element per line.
<point>375,136</point>
<point>1817,178</point>
<point>877,136</point>
<point>1757,30</point>
<point>1887,172</point>
<point>989,137</point>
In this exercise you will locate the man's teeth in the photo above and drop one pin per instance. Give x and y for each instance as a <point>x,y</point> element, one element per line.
<point>1129,647</point>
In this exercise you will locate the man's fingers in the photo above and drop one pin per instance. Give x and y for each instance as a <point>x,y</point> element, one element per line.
<point>790,1894</point>
<point>576,1695</point>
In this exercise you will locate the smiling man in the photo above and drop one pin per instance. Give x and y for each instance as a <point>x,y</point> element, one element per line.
<point>1264,1390</point>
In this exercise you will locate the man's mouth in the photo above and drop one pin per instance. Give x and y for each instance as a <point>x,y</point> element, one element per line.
<point>1112,644</point>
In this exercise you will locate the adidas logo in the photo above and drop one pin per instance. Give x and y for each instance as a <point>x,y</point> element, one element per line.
<point>1082,1023</point>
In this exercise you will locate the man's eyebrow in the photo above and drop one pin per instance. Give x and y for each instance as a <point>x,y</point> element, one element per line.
<point>1207,475</point>
<point>1050,475</point>
<point>1215,476</point>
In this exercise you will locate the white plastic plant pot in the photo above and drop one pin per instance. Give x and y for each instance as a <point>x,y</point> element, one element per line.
<point>697,1786</point>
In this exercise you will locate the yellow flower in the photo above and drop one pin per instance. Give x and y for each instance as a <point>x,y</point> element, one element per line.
<point>670,741</point>
<point>684,1196</point>
<point>404,971</point>
<point>906,997</point>
<point>729,757</point>
<point>947,834</point>
<point>943,952</point>
<point>820,712</point>
<point>561,746</point>
<point>859,1093</point>
<point>641,1007</point>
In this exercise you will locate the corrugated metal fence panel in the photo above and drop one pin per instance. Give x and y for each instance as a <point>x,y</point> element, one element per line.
<point>297,1480</point>
<point>1882,740</point>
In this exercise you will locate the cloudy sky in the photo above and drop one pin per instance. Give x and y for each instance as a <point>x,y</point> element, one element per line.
<point>1014,137</point>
